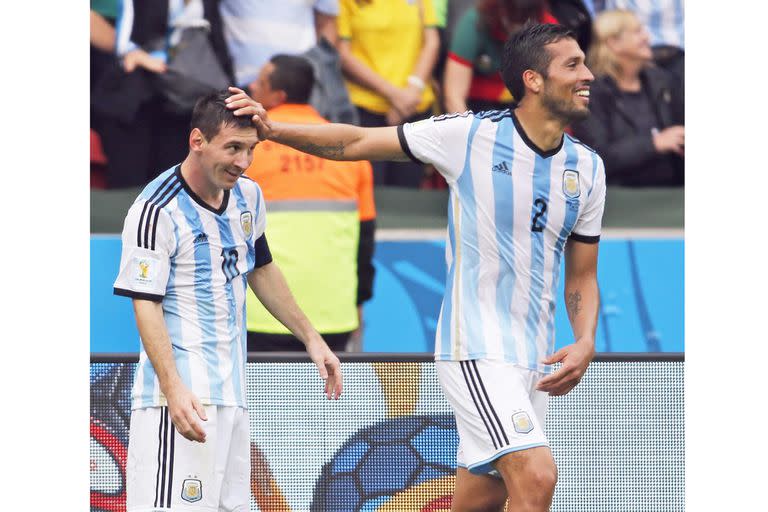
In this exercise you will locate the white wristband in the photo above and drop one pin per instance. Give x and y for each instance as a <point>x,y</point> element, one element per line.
<point>416,82</point>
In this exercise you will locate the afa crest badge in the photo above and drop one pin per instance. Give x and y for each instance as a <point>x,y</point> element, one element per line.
<point>192,490</point>
<point>522,422</point>
<point>246,222</point>
<point>571,185</point>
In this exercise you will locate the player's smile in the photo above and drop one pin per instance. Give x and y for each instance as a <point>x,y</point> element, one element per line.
<point>583,94</point>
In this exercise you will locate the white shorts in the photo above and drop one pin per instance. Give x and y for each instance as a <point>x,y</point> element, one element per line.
<point>497,410</point>
<point>165,471</point>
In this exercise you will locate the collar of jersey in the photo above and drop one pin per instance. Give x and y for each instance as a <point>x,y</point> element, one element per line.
<point>197,199</point>
<point>530,144</point>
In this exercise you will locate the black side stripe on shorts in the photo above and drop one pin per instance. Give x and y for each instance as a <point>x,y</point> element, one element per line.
<point>151,211</point>
<point>159,452</point>
<point>490,405</point>
<point>146,205</point>
<point>165,456</point>
<point>170,469</point>
<point>464,370</point>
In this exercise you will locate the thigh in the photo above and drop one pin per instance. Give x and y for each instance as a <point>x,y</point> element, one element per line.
<point>235,486</point>
<point>166,470</point>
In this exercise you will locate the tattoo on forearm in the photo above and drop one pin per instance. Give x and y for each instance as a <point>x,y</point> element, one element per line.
<point>334,151</point>
<point>574,303</point>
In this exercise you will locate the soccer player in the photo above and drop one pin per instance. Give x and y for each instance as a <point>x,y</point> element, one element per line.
<point>523,195</point>
<point>192,241</point>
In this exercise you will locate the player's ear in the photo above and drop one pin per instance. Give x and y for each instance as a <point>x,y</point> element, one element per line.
<point>533,81</point>
<point>196,140</point>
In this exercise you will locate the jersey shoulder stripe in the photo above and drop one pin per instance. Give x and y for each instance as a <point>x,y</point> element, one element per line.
<point>494,115</point>
<point>577,141</point>
<point>151,211</point>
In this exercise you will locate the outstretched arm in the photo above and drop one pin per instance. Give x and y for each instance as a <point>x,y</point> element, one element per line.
<point>269,285</point>
<point>332,141</point>
<point>582,302</point>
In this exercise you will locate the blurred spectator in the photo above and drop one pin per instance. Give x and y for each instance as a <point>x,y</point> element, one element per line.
<point>388,51</point>
<point>255,31</point>
<point>321,219</point>
<point>665,22</point>
<point>576,15</point>
<point>472,80</point>
<point>102,17</point>
<point>102,37</point>
<point>636,120</point>
<point>138,133</point>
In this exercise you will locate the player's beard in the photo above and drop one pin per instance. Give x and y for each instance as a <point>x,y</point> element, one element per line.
<point>563,110</point>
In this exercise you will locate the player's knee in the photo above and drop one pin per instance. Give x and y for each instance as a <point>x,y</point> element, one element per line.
<point>543,477</point>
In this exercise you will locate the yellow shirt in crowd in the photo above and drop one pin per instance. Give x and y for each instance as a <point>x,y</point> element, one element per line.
<point>387,36</point>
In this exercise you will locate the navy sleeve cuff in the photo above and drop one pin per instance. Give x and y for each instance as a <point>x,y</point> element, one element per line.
<point>137,295</point>
<point>404,145</point>
<point>263,256</point>
<point>584,238</point>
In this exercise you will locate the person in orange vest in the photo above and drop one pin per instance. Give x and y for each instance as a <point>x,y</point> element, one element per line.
<point>321,219</point>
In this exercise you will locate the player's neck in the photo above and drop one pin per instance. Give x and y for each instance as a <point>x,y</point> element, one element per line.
<point>540,127</point>
<point>195,177</point>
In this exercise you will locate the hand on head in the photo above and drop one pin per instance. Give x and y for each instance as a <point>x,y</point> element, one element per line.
<point>244,105</point>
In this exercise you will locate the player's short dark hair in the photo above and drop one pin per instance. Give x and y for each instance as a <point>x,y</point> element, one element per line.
<point>211,113</point>
<point>525,49</point>
<point>294,75</point>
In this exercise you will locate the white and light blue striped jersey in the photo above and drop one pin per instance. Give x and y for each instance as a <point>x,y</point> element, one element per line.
<point>195,259</point>
<point>511,209</point>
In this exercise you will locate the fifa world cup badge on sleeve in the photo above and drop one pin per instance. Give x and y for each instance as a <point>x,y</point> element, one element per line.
<point>192,490</point>
<point>144,271</point>
<point>246,221</point>
<point>522,422</point>
<point>571,186</point>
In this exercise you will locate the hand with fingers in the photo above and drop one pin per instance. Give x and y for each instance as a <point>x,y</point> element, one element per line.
<point>138,58</point>
<point>244,105</point>
<point>670,140</point>
<point>574,359</point>
<point>404,100</point>
<point>327,365</point>
<point>185,409</point>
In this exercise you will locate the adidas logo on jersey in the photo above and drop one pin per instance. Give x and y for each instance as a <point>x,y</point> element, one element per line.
<point>202,238</point>
<point>502,167</point>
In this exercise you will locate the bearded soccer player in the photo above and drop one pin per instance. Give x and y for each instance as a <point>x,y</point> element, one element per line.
<point>192,242</point>
<point>523,195</point>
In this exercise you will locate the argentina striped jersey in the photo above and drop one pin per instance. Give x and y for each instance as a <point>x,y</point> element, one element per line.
<point>512,207</point>
<point>195,259</point>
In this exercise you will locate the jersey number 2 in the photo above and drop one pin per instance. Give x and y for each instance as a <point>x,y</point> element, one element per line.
<point>542,205</point>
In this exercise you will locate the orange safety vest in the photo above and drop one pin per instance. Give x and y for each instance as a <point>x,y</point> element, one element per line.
<point>314,210</point>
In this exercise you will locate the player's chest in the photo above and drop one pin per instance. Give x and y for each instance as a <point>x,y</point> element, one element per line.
<point>215,243</point>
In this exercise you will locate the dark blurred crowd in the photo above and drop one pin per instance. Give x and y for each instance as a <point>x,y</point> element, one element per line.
<point>379,63</point>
